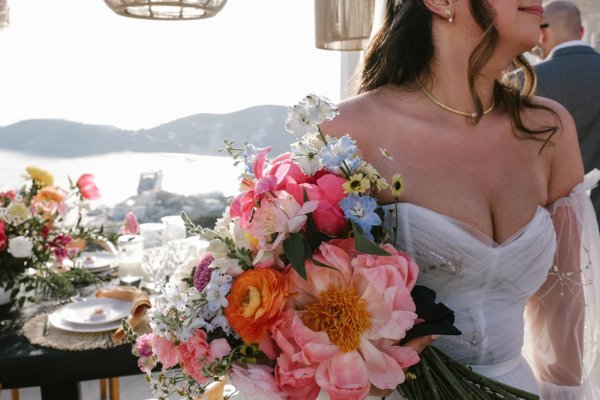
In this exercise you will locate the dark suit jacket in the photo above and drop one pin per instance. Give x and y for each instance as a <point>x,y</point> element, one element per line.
<point>572,77</point>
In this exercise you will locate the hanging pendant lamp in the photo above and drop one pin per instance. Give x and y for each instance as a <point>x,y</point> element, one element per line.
<point>343,24</point>
<point>166,10</point>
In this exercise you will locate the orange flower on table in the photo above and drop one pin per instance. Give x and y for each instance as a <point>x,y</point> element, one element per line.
<point>48,200</point>
<point>256,300</point>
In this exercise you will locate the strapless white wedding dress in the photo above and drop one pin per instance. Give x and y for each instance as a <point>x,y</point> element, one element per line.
<point>486,284</point>
<point>489,284</point>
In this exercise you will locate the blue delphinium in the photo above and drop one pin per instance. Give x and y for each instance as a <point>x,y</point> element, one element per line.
<point>361,210</point>
<point>338,151</point>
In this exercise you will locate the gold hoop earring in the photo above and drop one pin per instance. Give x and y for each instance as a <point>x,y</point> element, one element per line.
<point>450,15</point>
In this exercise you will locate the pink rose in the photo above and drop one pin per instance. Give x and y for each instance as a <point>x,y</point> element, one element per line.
<point>87,187</point>
<point>166,351</point>
<point>329,217</point>
<point>143,345</point>
<point>197,348</point>
<point>255,382</point>
<point>3,238</point>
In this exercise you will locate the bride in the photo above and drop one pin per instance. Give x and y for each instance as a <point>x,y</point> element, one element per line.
<point>495,209</point>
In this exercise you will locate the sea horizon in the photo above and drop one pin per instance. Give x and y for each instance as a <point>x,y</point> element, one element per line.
<point>117,174</point>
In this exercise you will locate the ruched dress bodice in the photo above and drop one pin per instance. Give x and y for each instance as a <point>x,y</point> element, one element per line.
<point>487,284</point>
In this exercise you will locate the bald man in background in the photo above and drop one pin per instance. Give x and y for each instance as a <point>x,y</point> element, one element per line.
<point>570,75</point>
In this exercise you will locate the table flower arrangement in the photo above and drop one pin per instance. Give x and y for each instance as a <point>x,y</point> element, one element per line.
<point>36,236</point>
<point>298,293</point>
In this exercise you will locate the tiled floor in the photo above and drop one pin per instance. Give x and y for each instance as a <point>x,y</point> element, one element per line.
<point>132,387</point>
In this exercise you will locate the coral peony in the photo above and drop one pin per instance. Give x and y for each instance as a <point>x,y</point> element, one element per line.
<point>255,302</point>
<point>350,320</point>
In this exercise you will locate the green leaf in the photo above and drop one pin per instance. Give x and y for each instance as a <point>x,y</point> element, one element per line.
<point>364,245</point>
<point>297,251</point>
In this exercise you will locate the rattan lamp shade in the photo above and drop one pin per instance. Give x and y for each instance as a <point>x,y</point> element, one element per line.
<point>166,10</point>
<point>343,24</point>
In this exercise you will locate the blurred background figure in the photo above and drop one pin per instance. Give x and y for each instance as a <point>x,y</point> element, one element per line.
<point>570,74</point>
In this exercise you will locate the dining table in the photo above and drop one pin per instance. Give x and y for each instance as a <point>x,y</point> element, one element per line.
<point>57,372</point>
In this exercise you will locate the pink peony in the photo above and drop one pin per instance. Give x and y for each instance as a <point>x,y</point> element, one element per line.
<point>166,351</point>
<point>196,348</point>
<point>255,382</point>
<point>3,238</point>
<point>372,293</point>
<point>87,187</point>
<point>329,217</point>
<point>130,226</point>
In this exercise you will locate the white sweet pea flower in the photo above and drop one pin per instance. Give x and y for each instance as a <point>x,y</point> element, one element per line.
<point>300,122</point>
<point>307,157</point>
<point>20,247</point>
<point>240,239</point>
<point>218,248</point>
<point>321,107</point>
<point>229,266</point>
<point>184,270</point>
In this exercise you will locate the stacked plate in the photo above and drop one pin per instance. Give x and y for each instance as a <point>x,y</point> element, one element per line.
<point>93,315</point>
<point>97,261</point>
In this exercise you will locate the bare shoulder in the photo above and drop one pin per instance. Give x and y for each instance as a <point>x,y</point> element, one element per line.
<point>565,156</point>
<point>355,114</point>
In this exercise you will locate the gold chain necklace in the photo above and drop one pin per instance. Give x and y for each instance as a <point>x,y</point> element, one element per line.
<point>472,115</point>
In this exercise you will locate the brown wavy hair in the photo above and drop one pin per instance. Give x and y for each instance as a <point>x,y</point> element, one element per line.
<point>402,51</point>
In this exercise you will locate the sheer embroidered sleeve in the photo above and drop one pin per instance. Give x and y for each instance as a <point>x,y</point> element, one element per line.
<point>563,318</point>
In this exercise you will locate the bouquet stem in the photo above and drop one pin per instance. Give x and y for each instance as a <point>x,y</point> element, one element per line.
<point>438,377</point>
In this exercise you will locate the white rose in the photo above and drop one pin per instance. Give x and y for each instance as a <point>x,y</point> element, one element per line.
<point>20,247</point>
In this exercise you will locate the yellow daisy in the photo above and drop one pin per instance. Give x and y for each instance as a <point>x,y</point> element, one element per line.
<point>357,184</point>
<point>397,185</point>
<point>43,177</point>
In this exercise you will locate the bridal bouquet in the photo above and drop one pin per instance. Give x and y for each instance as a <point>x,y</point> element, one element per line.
<point>297,293</point>
<point>35,237</point>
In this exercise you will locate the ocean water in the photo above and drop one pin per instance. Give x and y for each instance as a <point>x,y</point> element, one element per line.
<point>117,174</point>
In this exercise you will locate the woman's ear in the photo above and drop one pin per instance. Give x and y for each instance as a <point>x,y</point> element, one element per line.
<point>441,8</point>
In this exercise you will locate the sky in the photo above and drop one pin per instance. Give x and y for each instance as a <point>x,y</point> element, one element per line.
<point>77,60</point>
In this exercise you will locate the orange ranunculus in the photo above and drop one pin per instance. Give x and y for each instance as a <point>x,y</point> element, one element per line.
<point>256,299</point>
<point>48,200</point>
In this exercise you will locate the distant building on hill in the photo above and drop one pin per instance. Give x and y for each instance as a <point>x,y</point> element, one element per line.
<point>150,181</point>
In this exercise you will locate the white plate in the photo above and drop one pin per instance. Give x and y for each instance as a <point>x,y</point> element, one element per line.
<point>95,311</point>
<point>96,261</point>
<point>56,320</point>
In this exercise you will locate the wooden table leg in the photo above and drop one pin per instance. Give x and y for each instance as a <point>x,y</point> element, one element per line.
<point>113,388</point>
<point>61,391</point>
<point>102,388</point>
<point>14,394</point>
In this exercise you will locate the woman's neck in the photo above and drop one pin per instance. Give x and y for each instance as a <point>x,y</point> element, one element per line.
<point>449,81</point>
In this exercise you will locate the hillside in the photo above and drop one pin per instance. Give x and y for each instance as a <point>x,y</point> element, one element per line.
<point>199,134</point>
